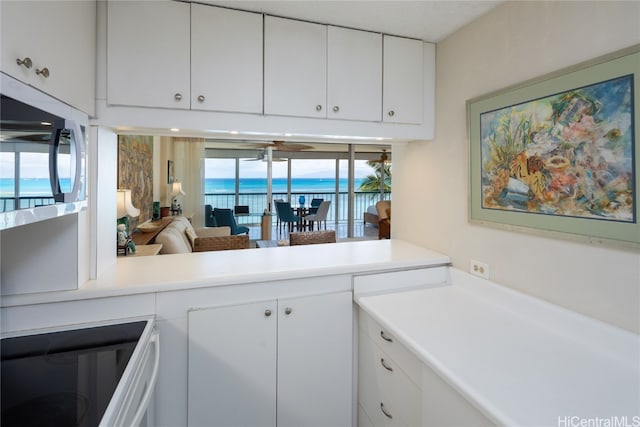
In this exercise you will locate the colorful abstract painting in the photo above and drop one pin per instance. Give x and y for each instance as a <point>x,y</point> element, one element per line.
<point>569,154</point>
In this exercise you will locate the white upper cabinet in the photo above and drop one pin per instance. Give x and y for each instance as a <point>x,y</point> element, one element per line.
<point>403,80</point>
<point>354,79</point>
<point>295,68</point>
<point>55,42</point>
<point>226,60</point>
<point>148,54</point>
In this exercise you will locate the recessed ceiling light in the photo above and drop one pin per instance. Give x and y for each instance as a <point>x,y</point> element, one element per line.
<point>174,130</point>
<point>288,134</point>
<point>234,132</point>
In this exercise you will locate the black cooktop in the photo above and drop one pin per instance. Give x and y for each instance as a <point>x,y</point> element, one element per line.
<point>64,378</point>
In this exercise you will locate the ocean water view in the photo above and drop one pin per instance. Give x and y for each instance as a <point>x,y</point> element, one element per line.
<point>41,187</point>
<point>31,186</point>
<point>279,185</point>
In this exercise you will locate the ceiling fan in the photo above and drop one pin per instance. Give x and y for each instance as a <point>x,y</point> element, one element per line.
<point>384,158</point>
<point>285,146</point>
<point>262,157</point>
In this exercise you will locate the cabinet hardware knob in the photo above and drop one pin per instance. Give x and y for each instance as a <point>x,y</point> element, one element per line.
<point>177,96</point>
<point>267,313</point>
<point>44,72</point>
<point>336,109</point>
<point>385,366</point>
<point>391,113</point>
<point>384,411</point>
<point>26,62</point>
<point>288,311</point>
<point>318,107</point>
<point>384,337</point>
<point>201,98</point>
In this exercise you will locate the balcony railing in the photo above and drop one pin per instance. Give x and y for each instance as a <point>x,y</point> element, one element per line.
<point>9,203</point>
<point>257,202</point>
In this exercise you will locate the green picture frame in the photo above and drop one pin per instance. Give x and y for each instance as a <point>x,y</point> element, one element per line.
<point>559,155</point>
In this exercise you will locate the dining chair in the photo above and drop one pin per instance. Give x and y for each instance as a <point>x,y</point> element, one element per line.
<point>320,215</point>
<point>285,215</point>
<point>275,202</point>
<point>224,217</point>
<point>315,203</point>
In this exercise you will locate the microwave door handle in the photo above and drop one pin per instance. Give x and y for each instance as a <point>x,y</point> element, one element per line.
<point>53,163</point>
<point>80,148</point>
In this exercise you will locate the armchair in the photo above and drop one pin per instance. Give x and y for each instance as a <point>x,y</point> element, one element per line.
<point>383,208</point>
<point>224,217</point>
<point>209,219</point>
<point>312,237</point>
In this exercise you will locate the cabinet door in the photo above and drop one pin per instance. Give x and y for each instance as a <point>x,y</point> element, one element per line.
<point>402,89</point>
<point>148,53</point>
<point>57,35</point>
<point>295,68</point>
<point>226,59</point>
<point>232,365</point>
<point>354,80</point>
<point>315,360</point>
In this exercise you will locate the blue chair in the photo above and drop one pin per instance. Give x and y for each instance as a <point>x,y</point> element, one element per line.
<point>209,219</point>
<point>285,214</point>
<point>224,217</point>
<point>315,204</point>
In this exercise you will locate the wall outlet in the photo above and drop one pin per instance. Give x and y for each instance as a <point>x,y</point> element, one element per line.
<point>480,269</point>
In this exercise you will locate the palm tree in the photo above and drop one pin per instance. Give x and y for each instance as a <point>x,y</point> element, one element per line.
<point>373,182</point>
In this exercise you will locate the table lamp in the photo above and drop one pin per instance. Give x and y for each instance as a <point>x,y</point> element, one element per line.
<point>176,190</point>
<point>125,208</point>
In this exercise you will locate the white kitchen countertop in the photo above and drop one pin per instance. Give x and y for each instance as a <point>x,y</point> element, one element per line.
<point>135,275</point>
<point>519,360</point>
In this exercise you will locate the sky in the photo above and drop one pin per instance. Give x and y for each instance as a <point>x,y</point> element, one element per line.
<point>301,168</point>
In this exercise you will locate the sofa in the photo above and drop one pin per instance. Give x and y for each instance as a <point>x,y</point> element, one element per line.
<point>180,237</point>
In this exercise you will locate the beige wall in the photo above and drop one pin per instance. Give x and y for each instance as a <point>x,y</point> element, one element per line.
<point>515,42</point>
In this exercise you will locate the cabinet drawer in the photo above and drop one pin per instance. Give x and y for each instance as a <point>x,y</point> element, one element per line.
<point>389,344</point>
<point>397,280</point>
<point>382,382</point>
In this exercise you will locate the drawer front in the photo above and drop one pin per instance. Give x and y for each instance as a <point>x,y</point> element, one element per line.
<point>396,280</point>
<point>382,382</point>
<point>410,364</point>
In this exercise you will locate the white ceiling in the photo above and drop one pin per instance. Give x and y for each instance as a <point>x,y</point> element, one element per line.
<point>430,21</point>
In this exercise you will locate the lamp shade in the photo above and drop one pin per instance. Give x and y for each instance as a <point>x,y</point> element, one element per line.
<point>125,206</point>
<point>176,189</point>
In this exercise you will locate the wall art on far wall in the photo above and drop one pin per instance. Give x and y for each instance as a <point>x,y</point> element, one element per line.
<point>170,172</point>
<point>135,172</point>
<point>560,153</point>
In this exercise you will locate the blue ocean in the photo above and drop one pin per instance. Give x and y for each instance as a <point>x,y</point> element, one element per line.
<point>41,187</point>
<point>31,186</point>
<point>259,185</point>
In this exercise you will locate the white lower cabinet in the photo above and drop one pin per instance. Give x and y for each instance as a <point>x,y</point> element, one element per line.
<point>284,362</point>
<point>389,379</point>
<point>395,388</point>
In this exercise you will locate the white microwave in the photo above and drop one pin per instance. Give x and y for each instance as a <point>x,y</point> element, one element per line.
<point>42,156</point>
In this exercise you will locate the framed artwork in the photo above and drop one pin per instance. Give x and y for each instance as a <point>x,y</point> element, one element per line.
<point>559,154</point>
<point>135,172</point>
<point>170,172</point>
